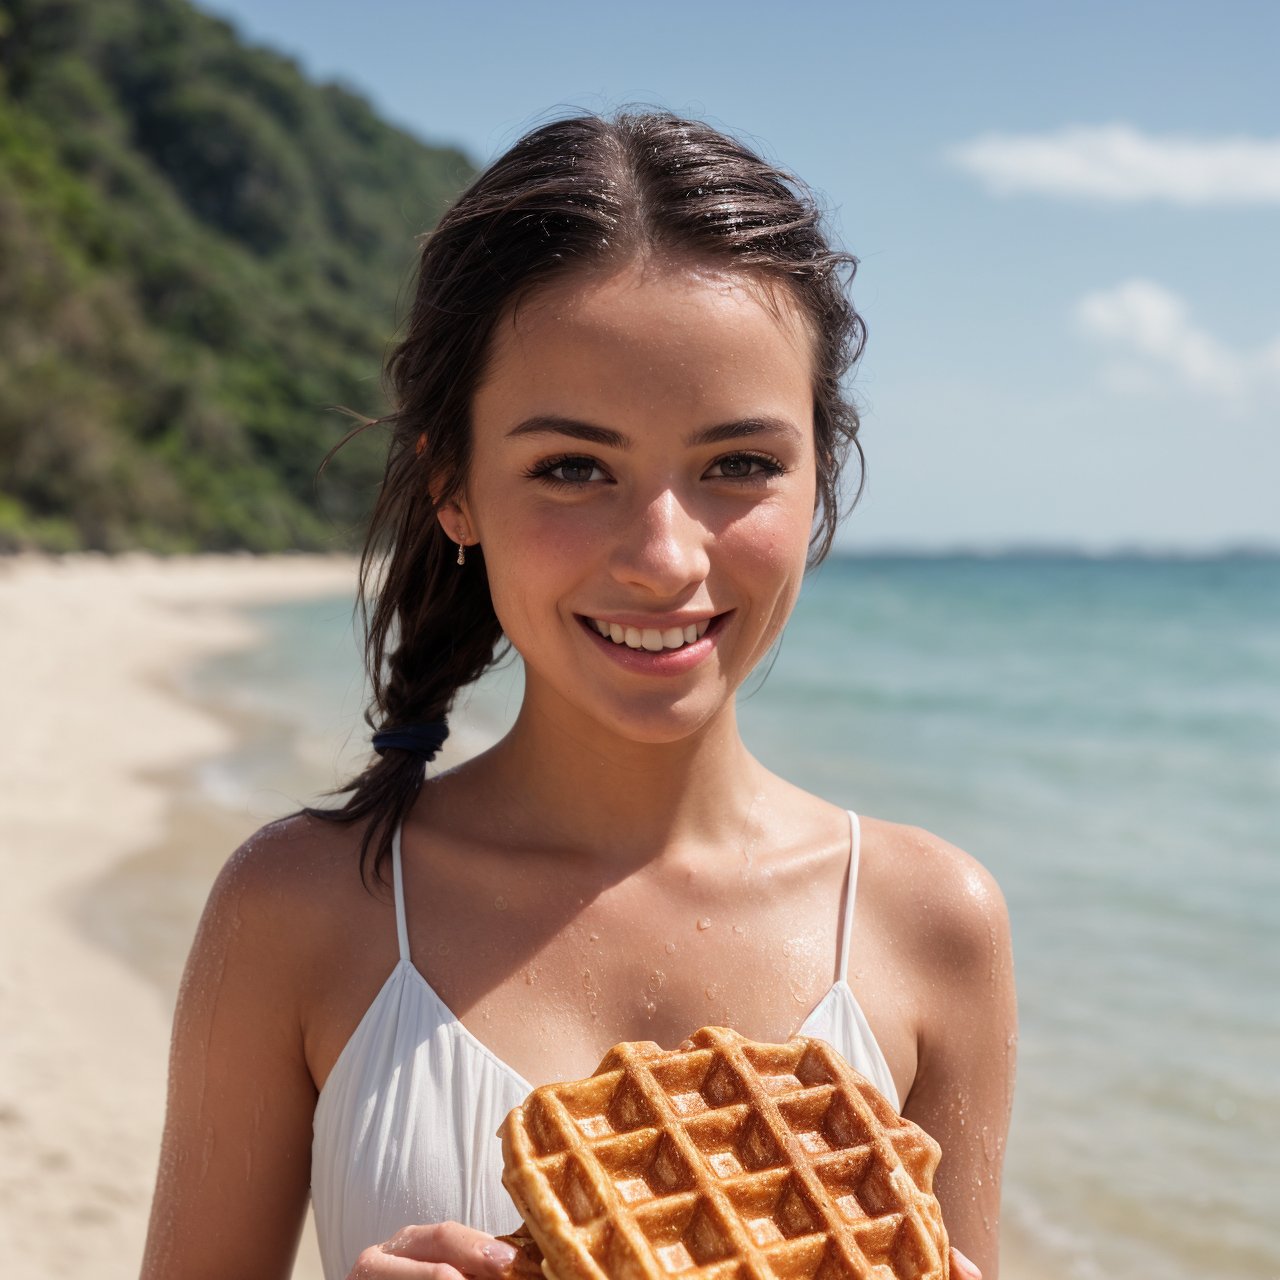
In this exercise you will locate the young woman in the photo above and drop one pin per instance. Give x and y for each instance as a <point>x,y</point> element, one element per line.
<point>616,443</point>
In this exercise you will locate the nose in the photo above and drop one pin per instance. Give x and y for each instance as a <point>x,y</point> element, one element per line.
<point>661,547</point>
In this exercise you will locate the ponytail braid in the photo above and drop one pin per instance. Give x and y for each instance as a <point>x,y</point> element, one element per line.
<point>437,620</point>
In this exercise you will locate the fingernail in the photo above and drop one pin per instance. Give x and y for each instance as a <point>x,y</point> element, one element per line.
<point>970,1269</point>
<point>500,1252</point>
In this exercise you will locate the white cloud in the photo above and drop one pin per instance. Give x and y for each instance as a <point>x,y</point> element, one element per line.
<point>1156,347</point>
<point>1118,164</point>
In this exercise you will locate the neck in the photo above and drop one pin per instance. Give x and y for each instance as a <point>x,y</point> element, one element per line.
<point>609,799</point>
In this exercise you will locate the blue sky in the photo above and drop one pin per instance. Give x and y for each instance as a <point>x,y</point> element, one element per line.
<point>1068,220</point>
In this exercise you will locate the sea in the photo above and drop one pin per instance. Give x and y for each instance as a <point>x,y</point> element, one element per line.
<point>1104,735</point>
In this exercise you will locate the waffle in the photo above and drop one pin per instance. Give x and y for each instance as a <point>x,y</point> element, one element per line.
<point>724,1160</point>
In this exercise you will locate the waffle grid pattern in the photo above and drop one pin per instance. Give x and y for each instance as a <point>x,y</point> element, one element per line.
<point>729,1160</point>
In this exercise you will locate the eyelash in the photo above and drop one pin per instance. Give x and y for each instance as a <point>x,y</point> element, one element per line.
<point>768,467</point>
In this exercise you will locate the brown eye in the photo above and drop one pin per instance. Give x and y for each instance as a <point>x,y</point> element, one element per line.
<point>745,466</point>
<point>568,471</point>
<point>574,470</point>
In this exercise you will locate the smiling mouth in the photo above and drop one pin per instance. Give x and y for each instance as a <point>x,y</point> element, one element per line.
<point>652,639</point>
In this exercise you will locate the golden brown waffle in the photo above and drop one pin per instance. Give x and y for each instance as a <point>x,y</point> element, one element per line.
<point>728,1160</point>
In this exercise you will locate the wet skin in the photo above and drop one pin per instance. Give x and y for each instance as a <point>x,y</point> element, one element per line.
<point>557,883</point>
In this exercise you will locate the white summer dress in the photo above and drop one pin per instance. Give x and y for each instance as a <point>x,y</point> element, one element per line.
<point>404,1126</point>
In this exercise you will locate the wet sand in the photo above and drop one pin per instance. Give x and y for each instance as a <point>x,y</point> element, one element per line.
<point>98,740</point>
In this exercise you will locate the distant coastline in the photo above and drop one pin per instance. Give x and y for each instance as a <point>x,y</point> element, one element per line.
<point>1121,553</point>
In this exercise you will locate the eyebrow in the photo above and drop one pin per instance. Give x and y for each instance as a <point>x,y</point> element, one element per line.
<point>555,425</point>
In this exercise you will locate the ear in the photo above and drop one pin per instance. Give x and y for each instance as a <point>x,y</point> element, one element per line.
<point>455,520</point>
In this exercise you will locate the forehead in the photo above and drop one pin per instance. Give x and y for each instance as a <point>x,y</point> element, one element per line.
<point>652,332</point>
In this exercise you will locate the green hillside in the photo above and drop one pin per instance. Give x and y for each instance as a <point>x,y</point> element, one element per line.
<point>201,252</point>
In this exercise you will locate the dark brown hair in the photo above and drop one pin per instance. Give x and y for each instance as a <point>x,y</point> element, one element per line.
<point>576,194</point>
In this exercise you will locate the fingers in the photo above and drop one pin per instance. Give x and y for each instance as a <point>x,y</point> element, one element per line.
<point>436,1251</point>
<point>471,1252</point>
<point>375,1263</point>
<point>963,1268</point>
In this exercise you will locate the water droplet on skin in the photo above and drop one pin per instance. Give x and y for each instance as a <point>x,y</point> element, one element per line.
<point>656,979</point>
<point>649,1008</point>
<point>710,993</point>
<point>530,977</point>
<point>586,980</point>
<point>442,949</point>
<point>500,903</point>
<point>593,937</point>
<point>670,948</point>
<point>788,947</point>
<point>990,1145</point>
<point>704,923</point>
<point>739,930</point>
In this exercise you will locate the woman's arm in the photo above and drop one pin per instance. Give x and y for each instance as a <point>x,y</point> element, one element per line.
<point>963,1087</point>
<point>234,1174</point>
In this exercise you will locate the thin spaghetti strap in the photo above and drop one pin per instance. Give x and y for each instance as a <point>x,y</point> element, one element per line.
<point>397,875</point>
<point>850,894</point>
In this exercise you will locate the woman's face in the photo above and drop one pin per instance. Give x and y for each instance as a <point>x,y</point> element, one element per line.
<point>643,464</point>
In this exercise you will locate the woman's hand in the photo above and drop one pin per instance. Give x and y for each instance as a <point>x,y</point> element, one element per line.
<point>436,1251</point>
<point>962,1268</point>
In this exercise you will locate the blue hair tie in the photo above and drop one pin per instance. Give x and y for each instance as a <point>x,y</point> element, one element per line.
<point>422,739</point>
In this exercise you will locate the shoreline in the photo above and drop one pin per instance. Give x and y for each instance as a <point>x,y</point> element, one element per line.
<point>102,745</point>
<point>91,970</point>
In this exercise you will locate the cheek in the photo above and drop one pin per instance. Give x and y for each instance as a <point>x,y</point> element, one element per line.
<point>531,560</point>
<point>768,549</point>
<point>776,533</point>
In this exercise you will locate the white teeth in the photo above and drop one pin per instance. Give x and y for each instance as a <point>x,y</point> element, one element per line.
<point>650,638</point>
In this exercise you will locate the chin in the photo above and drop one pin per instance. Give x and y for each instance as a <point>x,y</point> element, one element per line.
<point>655,721</point>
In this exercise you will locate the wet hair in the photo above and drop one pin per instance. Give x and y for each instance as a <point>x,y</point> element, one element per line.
<point>572,196</point>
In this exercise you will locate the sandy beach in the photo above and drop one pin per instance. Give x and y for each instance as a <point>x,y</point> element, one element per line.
<point>96,734</point>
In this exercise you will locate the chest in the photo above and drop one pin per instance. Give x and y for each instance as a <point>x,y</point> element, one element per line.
<point>547,972</point>
<point>549,981</point>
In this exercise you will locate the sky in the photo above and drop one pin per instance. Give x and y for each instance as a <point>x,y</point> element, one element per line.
<point>1067,220</point>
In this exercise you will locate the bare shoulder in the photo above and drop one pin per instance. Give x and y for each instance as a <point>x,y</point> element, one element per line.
<point>938,899</point>
<point>288,888</point>
<point>296,854</point>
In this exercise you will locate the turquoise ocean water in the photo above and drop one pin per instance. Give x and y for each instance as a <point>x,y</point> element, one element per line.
<point>1105,736</point>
